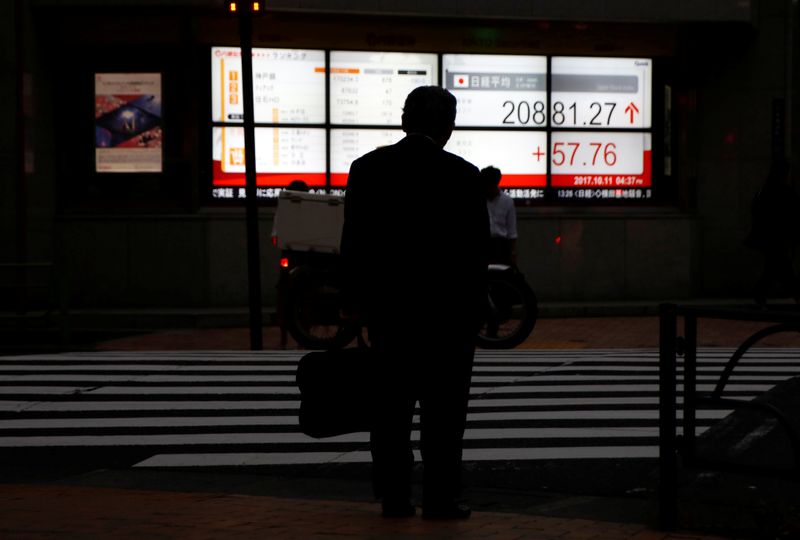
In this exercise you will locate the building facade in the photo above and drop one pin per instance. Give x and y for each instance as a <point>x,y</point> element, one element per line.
<point>724,105</point>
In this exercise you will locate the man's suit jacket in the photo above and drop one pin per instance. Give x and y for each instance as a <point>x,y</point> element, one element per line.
<point>415,238</point>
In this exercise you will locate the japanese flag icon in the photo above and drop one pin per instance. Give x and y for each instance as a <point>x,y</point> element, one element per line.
<point>460,81</point>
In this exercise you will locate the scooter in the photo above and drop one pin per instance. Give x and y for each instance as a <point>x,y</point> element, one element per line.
<point>309,288</point>
<point>512,309</point>
<point>312,308</point>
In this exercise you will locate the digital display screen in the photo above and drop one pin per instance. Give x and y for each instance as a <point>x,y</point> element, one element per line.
<point>282,155</point>
<point>601,93</point>
<point>497,90</point>
<point>601,159</point>
<point>347,145</point>
<point>370,88</point>
<point>521,156</point>
<point>127,122</point>
<point>583,130</point>
<point>288,86</point>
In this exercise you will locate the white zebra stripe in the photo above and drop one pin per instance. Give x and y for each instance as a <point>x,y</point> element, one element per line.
<point>118,406</point>
<point>704,414</point>
<point>212,421</point>
<point>469,454</point>
<point>129,406</point>
<point>43,390</point>
<point>527,356</point>
<point>145,422</point>
<point>111,368</point>
<point>254,379</point>
<point>299,438</point>
<point>610,388</point>
<point>541,371</point>
<point>230,439</point>
<point>483,392</point>
<point>257,379</point>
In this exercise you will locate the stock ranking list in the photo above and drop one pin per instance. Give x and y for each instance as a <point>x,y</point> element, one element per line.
<point>370,88</point>
<point>282,155</point>
<point>288,86</point>
<point>347,145</point>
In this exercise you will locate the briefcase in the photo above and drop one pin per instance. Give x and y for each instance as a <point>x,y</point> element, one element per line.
<point>337,391</point>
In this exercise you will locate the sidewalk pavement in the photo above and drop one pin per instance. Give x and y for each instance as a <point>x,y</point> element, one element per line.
<point>43,512</point>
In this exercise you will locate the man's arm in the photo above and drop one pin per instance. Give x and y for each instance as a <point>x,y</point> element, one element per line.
<point>351,247</point>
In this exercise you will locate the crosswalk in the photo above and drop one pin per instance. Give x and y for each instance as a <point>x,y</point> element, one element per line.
<point>223,408</point>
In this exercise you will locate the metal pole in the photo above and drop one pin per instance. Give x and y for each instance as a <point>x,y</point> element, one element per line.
<point>667,400</point>
<point>251,201</point>
<point>791,23</point>
<point>689,388</point>
<point>21,255</point>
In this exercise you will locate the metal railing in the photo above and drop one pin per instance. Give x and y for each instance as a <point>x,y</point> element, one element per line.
<point>671,347</point>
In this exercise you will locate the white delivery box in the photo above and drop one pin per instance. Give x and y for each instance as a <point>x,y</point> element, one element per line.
<point>309,221</point>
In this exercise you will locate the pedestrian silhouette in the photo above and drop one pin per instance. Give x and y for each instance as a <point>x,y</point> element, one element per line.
<point>775,213</point>
<point>414,248</point>
<point>502,219</point>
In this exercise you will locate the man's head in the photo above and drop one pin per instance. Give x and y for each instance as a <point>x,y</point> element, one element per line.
<point>431,111</point>
<point>490,178</point>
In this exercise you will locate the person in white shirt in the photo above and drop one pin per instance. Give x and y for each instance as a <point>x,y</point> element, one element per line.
<point>502,219</point>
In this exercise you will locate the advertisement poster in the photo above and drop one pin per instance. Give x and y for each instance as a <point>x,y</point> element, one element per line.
<point>128,122</point>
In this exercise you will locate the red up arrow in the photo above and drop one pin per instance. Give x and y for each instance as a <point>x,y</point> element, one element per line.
<point>632,109</point>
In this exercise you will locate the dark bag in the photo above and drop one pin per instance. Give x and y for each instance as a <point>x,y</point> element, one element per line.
<point>337,391</point>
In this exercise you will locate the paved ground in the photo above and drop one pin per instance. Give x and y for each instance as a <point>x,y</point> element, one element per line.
<point>560,333</point>
<point>55,506</point>
<point>57,511</point>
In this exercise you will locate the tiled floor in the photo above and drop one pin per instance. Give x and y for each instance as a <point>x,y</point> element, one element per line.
<point>40,512</point>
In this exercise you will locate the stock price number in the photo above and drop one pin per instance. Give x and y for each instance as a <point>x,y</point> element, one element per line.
<point>564,154</point>
<point>589,159</point>
<point>599,114</point>
<point>524,113</point>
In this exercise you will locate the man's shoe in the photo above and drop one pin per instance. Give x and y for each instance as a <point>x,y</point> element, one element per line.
<point>398,510</point>
<point>449,511</point>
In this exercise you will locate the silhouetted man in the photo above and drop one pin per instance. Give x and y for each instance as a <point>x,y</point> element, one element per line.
<point>414,250</point>
<point>502,219</point>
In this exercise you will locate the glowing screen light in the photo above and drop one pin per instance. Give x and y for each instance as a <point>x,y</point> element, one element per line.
<point>497,90</point>
<point>282,155</point>
<point>601,93</point>
<point>601,159</point>
<point>288,86</point>
<point>349,144</point>
<point>520,155</point>
<point>370,88</point>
